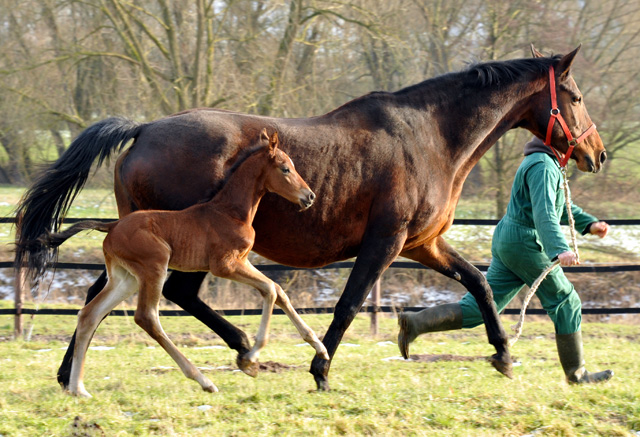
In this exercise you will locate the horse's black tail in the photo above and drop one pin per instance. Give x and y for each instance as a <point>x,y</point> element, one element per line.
<point>45,204</point>
<point>52,240</point>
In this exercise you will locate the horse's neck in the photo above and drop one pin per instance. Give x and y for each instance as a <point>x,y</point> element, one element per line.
<point>472,124</point>
<point>241,194</point>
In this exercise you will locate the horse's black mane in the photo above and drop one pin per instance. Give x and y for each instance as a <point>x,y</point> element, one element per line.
<point>499,72</point>
<point>490,73</point>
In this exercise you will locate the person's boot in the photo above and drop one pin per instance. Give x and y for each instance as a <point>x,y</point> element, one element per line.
<point>572,360</point>
<point>445,317</point>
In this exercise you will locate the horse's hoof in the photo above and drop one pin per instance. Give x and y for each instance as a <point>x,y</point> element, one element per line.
<point>504,367</point>
<point>248,367</point>
<point>64,382</point>
<point>322,384</point>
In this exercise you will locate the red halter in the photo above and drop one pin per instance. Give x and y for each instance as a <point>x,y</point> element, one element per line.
<point>555,115</point>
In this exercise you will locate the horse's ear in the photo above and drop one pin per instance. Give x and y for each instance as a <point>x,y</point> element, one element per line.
<point>535,52</point>
<point>564,66</point>
<point>273,143</point>
<point>264,136</point>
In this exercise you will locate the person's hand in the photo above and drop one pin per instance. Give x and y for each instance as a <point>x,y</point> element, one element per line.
<point>601,229</point>
<point>568,258</point>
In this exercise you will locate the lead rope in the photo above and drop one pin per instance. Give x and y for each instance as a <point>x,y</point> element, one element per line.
<point>534,287</point>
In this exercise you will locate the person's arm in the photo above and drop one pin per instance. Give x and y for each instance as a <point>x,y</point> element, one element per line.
<point>542,183</point>
<point>583,221</point>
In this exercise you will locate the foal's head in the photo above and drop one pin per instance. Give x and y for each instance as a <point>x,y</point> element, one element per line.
<point>281,176</point>
<point>588,149</point>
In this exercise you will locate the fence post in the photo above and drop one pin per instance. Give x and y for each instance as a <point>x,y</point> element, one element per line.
<point>375,303</point>
<point>20,280</point>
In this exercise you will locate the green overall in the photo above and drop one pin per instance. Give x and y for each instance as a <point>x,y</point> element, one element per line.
<point>526,241</point>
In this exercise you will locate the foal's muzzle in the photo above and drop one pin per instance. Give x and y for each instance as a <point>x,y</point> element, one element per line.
<point>307,199</point>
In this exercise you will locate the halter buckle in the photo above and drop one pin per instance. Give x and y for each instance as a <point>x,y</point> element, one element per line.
<point>555,112</point>
<point>572,142</point>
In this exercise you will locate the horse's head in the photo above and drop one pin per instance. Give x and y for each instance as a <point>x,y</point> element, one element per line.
<point>282,177</point>
<point>567,123</point>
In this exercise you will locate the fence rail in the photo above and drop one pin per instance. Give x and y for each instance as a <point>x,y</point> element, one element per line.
<point>373,309</point>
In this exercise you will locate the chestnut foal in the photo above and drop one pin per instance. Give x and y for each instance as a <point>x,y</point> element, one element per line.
<point>215,236</point>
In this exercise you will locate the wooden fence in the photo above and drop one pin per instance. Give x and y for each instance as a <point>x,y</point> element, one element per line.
<point>373,308</point>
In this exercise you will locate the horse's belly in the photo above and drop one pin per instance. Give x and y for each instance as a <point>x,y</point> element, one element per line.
<point>307,239</point>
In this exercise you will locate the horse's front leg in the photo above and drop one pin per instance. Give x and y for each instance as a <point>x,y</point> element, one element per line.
<point>376,254</point>
<point>182,289</point>
<point>441,257</point>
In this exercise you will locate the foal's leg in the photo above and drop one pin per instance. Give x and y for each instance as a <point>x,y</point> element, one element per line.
<point>147,318</point>
<point>441,257</point>
<point>64,371</point>
<point>247,274</point>
<point>182,289</point>
<point>305,331</point>
<point>119,287</point>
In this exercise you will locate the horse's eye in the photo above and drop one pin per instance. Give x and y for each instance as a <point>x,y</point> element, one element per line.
<point>577,99</point>
<point>285,170</point>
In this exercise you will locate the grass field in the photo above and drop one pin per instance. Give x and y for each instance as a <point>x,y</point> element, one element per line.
<point>138,389</point>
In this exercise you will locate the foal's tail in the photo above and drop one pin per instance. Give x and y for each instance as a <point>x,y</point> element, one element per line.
<point>52,240</point>
<point>44,205</point>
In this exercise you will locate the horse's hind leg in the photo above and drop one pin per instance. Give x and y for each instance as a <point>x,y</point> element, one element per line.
<point>247,274</point>
<point>441,257</point>
<point>147,318</point>
<point>120,286</point>
<point>305,331</point>
<point>64,371</point>
<point>182,289</point>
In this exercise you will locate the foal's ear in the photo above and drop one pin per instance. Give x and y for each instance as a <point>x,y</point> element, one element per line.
<point>264,136</point>
<point>564,66</point>
<point>273,143</point>
<point>535,52</point>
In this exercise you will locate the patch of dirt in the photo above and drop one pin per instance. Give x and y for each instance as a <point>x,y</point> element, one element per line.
<point>274,367</point>
<point>432,358</point>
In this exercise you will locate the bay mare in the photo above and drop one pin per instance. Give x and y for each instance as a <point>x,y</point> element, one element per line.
<point>388,170</point>
<point>214,236</point>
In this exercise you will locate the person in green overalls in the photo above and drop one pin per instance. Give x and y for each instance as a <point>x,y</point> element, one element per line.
<point>526,241</point>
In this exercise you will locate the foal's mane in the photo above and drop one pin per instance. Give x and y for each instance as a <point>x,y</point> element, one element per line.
<point>242,157</point>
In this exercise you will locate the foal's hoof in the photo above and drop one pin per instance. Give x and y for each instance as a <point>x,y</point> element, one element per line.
<point>80,393</point>
<point>249,367</point>
<point>210,388</point>
<point>322,353</point>
<point>503,366</point>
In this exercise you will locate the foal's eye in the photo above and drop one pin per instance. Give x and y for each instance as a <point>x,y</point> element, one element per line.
<point>285,170</point>
<point>577,99</point>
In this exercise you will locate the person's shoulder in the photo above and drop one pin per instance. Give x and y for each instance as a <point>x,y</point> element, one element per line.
<point>539,166</point>
<point>541,160</point>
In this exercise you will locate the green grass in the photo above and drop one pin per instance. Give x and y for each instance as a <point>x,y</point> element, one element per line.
<point>134,395</point>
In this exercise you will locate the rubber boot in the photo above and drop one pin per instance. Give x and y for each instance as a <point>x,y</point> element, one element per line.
<point>445,317</point>
<point>572,360</point>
